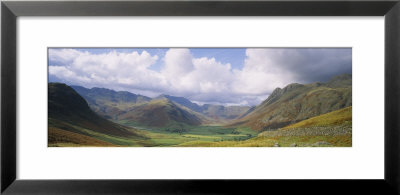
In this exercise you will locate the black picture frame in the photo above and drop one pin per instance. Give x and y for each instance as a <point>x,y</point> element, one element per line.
<point>11,10</point>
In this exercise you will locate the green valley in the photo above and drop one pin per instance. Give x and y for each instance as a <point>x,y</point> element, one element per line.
<point>298,115</point>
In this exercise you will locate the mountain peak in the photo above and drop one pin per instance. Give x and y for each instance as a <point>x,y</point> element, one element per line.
<point>343,80</point>
<point>292,86</point>
<point>182,101</point>
<point>161,101</point>
<point>297,102</point>
<point>65,104</point>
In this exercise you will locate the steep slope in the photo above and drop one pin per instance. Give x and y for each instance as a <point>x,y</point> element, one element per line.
<point>334,118</point>
<point>247,112</point>
<point>159,113</point>
<point>109,103</point>
<point>298,102</point>
<point>68,111</point>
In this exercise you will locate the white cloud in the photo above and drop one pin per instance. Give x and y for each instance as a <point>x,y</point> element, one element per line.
<point>188,76</point>
<point>199,79</point>
<point>112,70</point>
<point>261,73</point>
<point>67,74</point>
<point>62,56</point>
<point>178,62</point>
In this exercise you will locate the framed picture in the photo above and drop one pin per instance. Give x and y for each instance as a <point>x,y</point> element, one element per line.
<point>199,97</point>
<point>191,98</point>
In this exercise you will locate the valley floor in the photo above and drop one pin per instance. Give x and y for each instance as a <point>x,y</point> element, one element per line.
<point>333,129</point>
<point>212,136</point>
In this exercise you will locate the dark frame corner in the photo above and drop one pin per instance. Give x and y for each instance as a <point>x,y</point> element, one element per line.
<point>10,10</point>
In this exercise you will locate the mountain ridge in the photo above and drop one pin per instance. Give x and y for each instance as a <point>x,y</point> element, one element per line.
<point>69,112</point>
<point>160,112</point>
<point>297,102</point>
<point>110,103</point>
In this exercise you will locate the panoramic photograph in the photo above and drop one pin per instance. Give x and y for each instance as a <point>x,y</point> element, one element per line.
<point>199,97</point>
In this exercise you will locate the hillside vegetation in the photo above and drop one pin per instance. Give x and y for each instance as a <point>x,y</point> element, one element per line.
<point>112,104</point>
<point>327,130</point>
<point>109,103</point>
<point>297,102</point>
<point>68,111</point>
<point>58,137</point>
<point>298,115</point>
<point>338,117</point>
<point>158,113</point>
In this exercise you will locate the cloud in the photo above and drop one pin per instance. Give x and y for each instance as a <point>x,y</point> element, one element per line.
<point>301,64</point>
<point>201,79</point>
<point>62,56</point>
<point>113,69</point>
<point>266,69</point>
<point>178,62</point>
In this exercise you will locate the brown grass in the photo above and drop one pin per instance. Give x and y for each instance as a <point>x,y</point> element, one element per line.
<point>338,117</point>
<point>58,137</point>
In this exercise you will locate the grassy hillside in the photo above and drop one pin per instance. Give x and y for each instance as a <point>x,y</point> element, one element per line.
<point>182,101</point>
<point>311,115</point>
<point>300,141</point>
<point>297,102</point>
<point>58,137</point>
<point>68,111</point>
<point>159,113</point>
<point>338,117</point>
<point>331,129</point>
<point>327,130</point>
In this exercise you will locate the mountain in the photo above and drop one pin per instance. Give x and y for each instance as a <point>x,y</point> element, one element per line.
<point>297,102</point>
<point>109,103</point>
<point>160,113</point>
<point>69,115</point>
<point>182,101</point>
<point>224,112</point>
<point>247,112</point>
<point>209,110</point>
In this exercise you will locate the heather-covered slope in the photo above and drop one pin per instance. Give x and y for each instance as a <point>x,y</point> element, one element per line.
<point>70,115</point>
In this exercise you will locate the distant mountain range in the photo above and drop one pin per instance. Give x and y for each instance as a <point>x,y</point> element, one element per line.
<point>109,103</point>
<point>285,106</point>
<point>122,105</point>
<point>77,116</point>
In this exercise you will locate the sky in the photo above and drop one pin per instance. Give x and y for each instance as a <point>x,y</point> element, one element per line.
<point>227,76</point>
